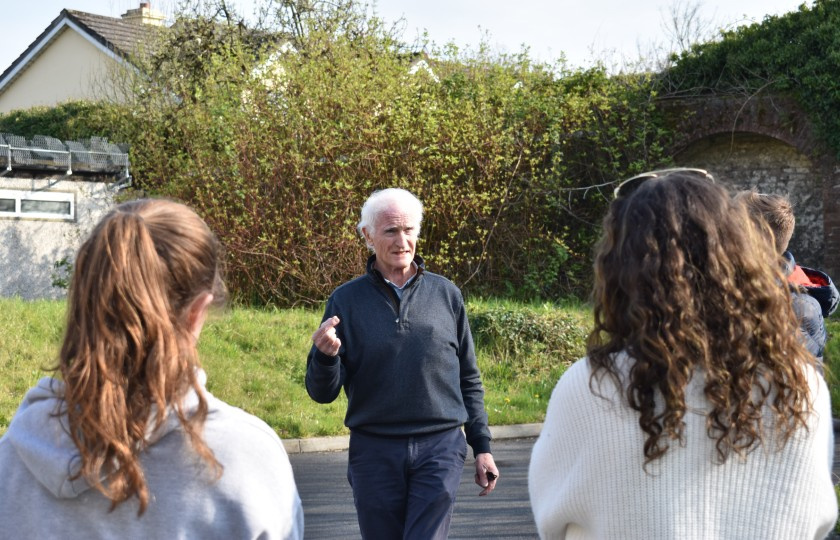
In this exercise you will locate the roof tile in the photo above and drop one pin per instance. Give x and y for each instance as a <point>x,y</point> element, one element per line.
<point>122,36</point>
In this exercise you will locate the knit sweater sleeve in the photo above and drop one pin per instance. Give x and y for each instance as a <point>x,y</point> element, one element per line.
<point>325,374</point>
<point>476,428</point>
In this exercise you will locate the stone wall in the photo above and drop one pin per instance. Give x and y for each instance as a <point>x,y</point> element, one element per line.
<point>766,143</point>
<point>831,208</point>
<point>29,248</point>
<point>749,161</point>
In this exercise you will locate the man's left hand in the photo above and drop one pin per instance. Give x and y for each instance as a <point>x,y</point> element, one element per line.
<point>486,473</point>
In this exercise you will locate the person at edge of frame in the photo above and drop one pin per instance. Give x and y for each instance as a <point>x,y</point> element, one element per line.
<point>812,291</point>
<point>697,412</point>
<point>127,442</point>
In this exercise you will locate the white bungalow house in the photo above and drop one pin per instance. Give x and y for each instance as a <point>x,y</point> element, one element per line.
<point>52,193</point>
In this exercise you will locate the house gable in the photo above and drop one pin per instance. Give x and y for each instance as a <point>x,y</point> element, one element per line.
<point>70,60</point>
<point>70,67</point>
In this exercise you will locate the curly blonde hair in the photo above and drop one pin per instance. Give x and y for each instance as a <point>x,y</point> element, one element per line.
<point>687,286</point>
<point>128,355</point>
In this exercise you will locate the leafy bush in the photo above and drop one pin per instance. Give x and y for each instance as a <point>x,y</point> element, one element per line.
<point>527,341</point>
<point>277,148</point>
<point>279,158</point>
<point>72,120</point>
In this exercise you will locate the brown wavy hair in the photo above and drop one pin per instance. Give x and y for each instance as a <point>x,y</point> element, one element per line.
<point>128,352</point>
<point>686,285</point>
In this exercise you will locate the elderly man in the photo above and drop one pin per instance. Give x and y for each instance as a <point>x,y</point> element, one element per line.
<point>398,340</point>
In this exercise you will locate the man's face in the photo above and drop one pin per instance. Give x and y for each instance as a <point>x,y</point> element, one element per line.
<point>394,239</point>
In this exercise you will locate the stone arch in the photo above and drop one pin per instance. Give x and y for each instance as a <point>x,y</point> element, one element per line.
<point>766,144</point>
<point>745,160</point>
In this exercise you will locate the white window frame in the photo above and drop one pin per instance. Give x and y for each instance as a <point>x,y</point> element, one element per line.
<point>48,196</point>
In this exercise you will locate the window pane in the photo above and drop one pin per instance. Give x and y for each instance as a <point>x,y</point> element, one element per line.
<point>7,205</point>
<point>45,207</point>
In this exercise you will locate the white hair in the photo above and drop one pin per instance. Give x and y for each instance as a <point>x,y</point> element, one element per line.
<point>382,200</point>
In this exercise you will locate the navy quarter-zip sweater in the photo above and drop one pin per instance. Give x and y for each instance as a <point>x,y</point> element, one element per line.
<point>407,366</point>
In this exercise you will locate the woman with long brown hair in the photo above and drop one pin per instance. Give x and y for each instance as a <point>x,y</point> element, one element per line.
<point>698,412</point>
<point>129,443</point>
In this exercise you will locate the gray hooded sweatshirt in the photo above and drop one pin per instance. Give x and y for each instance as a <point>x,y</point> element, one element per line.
<point>255,497</point>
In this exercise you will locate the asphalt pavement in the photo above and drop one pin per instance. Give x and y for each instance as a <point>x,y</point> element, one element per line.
<point>321,477</point>
<point>505,513</point>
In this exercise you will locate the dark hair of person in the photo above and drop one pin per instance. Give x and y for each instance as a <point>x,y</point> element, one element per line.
<point>128,356</point>
<point>686,286</point>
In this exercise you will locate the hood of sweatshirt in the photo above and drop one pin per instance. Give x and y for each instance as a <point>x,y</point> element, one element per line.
<point>41,437</point>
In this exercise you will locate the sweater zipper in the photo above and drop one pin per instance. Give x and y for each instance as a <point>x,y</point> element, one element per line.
<point>396,304</point>
<point>406,292</point>
<point>390,295</point>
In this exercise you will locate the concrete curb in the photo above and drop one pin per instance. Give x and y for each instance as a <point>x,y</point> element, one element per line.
<point>316,444</point>
<point>339,443</point>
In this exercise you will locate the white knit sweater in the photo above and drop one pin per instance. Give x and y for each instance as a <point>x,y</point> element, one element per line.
<point>586,478</point>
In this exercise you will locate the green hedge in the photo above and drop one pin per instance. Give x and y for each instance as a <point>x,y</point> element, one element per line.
<point>67,121</point>
<point>529,340</point>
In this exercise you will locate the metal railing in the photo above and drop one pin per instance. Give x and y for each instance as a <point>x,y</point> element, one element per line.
<point>94,155</point>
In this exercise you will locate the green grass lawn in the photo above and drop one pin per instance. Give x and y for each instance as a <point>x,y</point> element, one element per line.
<point>29,341</point>
<point>832,362</point>
<point>256,359</point>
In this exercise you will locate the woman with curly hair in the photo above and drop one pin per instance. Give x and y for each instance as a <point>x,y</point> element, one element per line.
<point>129,443</point>
<point>697,412</point>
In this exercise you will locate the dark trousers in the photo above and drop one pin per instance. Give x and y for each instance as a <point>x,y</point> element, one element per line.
<point>405,487</point>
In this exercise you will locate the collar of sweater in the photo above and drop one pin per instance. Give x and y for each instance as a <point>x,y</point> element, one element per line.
<point>377,275</point>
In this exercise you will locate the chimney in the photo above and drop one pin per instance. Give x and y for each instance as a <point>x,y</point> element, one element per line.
<point>144,15</point>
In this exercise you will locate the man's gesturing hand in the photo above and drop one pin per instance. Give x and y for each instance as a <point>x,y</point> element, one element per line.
<point>325,339</point>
